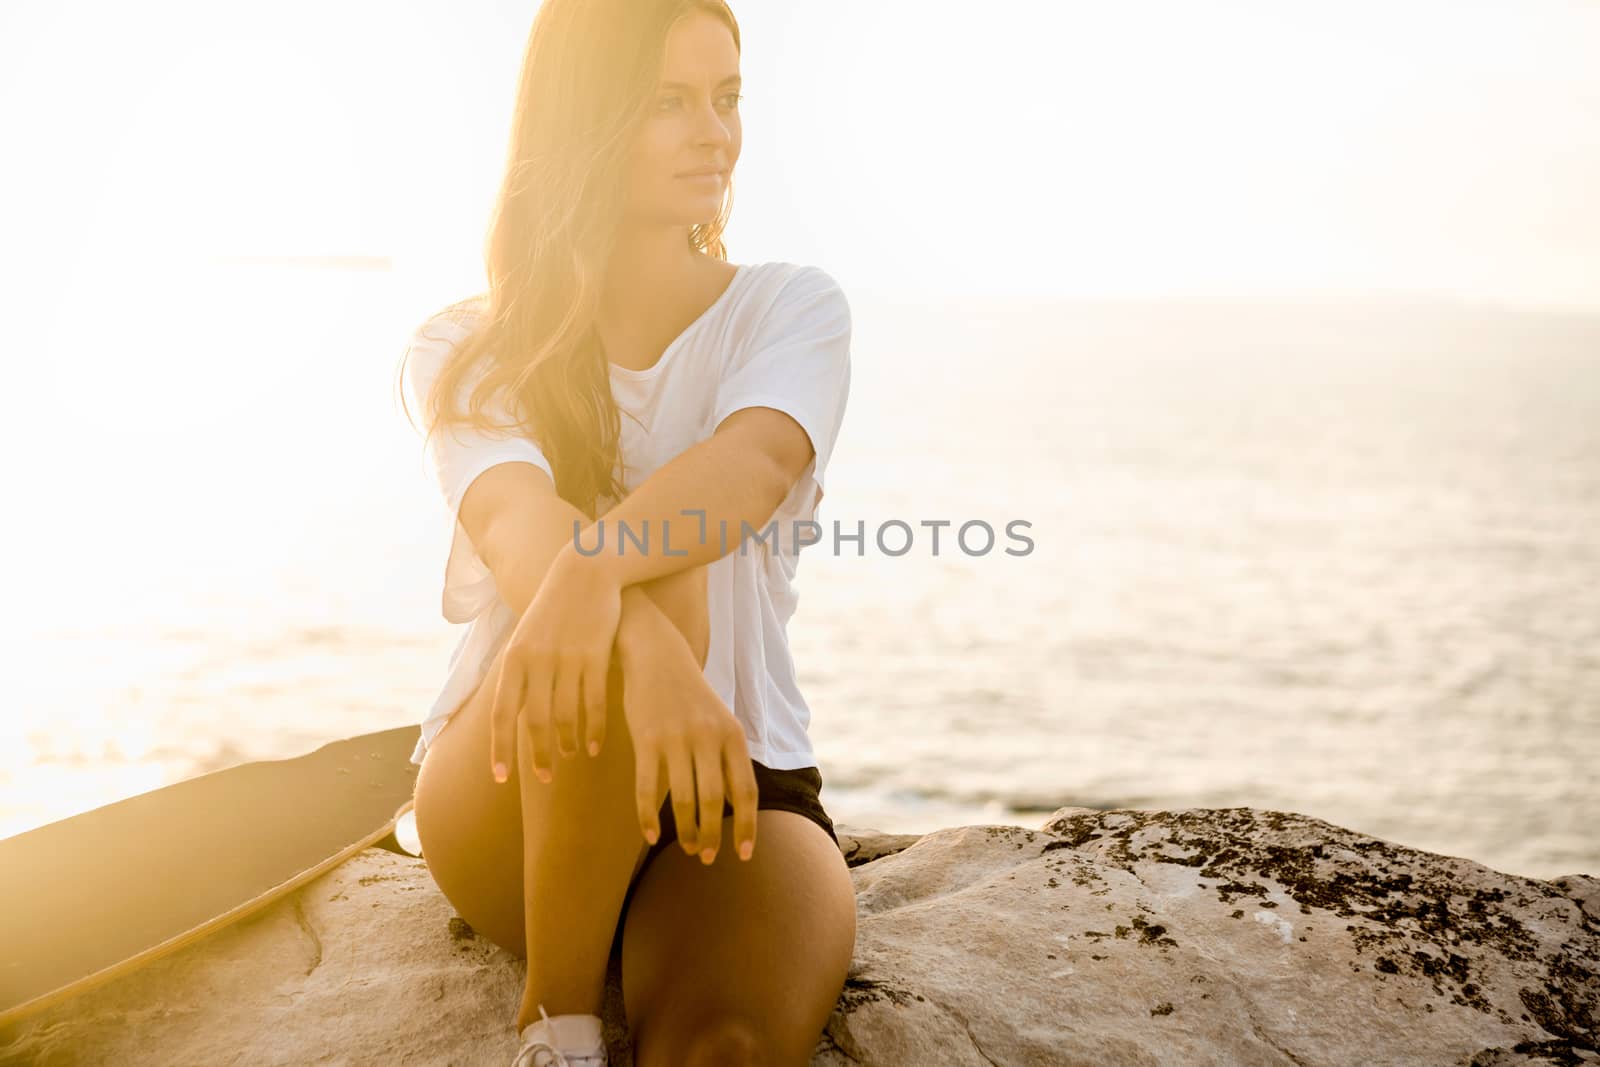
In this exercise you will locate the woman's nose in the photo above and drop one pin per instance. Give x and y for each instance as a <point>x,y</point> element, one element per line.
<point>711,129</point>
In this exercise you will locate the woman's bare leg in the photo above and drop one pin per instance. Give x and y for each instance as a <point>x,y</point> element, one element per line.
<point>541,869</point>
<point>739,962</point>
<point>581,844</point>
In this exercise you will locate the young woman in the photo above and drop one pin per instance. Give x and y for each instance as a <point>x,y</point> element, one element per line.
<point>619,371</point>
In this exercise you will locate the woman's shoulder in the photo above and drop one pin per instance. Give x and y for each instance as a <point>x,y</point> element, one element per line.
<point>792,293</point>
<point>450,324</point>
<point>431,341</point>
<point>784,274</point>
<point>783,289</point>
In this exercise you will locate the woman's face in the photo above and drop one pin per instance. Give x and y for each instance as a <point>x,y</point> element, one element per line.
<point>691,123</point>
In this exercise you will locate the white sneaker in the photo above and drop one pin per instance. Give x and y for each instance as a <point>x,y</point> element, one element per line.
<point>562,1041</point>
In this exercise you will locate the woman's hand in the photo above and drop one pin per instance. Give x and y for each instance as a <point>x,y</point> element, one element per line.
<point>559,649</point>
<point>675,716</point>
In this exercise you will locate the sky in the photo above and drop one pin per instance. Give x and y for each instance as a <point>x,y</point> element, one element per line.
<point>187,436</point>
<point>924,147</point>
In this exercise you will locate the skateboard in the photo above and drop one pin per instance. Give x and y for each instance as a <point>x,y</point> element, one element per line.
<point>95,896</point>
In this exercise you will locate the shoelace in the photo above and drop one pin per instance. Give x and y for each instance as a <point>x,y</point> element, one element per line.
<point>528,1054</point>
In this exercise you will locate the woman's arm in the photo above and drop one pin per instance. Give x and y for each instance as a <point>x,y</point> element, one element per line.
<point>571,607</point>
<point>676,719</point>
<point>736,477</point>
<point>778,407</point>
<point>518,524</point>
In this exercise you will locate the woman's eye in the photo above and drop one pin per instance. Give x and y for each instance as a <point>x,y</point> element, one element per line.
<point>667,101</point>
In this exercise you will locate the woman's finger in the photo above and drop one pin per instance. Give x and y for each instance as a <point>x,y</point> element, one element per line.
<point>536,715</point>
<point>743,793</point>
<point>594,701</point>
<point>646,780</point>
<point>708,784</point>
<point>564,703</point>
<point>508,686</point>
<point>680,778</point>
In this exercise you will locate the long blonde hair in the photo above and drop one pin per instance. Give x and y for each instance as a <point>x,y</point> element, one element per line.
<point>589,73</point>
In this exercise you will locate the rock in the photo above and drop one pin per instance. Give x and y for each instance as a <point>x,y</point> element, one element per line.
<point>1231,936</point>
<point>1200,936</point>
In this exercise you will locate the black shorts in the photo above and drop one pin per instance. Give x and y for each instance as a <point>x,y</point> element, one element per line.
<point>798,791</point>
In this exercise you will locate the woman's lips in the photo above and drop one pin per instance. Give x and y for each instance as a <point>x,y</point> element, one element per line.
<point>709,179</point>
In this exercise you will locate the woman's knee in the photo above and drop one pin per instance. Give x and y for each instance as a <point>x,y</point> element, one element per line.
<point>722,1042</point>
<point>471,833</point>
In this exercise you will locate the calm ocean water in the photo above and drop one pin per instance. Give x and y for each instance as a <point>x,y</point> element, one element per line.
<point>1340,560</point>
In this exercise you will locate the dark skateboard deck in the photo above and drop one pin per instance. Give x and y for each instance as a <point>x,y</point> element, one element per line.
<point>95,896</point>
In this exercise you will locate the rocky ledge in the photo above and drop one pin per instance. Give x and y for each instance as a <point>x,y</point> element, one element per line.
<point>1203,936</point>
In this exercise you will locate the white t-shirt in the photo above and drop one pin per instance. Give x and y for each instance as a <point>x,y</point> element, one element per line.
<point>779,337</point>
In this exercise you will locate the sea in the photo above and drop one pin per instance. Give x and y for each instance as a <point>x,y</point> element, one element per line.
<point>1331,555</point>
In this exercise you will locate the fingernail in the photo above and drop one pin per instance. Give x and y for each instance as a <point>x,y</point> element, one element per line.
<point>652,836</point>
<point>545,776</point>
<point>594,748</point>
<point>707,855</point>
<point>499,772</point>
<point>745,849</point>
